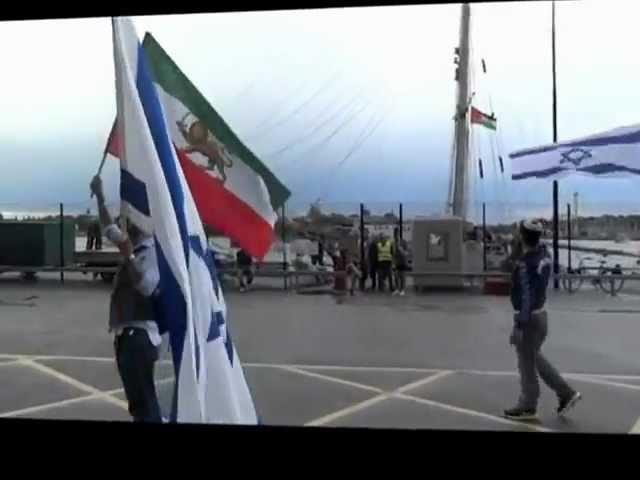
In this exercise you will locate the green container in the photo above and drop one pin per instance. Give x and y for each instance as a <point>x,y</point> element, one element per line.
<point>36,244</point>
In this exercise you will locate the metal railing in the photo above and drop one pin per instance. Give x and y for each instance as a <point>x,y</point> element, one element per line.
<point>608,283</point>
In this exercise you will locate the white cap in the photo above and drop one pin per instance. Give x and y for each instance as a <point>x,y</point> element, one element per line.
<point>532,226</point>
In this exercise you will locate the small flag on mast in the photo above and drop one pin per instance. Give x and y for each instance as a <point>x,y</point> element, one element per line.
<point>488,121</point>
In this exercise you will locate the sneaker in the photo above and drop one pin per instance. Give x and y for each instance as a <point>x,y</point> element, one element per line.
<point>568,403</point>
<point>395,292</point>
<point>402,294</point>
<point>518,413</point>
<point>242,289</point>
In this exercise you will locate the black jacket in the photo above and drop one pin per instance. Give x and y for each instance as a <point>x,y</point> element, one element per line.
<point>373,253</point>
<point>243,259</point>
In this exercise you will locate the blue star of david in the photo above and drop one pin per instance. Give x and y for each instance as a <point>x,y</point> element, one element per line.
<point>217,318</point>
<point>215,330</point>
<point>575,156</point>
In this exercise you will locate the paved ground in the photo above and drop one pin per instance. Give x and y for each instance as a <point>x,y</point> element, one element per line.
<point>433,361</point>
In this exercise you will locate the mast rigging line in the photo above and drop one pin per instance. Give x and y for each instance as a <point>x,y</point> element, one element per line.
<point>503,182</point>
<point>317,128</point>
<point>494,145</point>
<point>323,111</point>
<point>452,159</point>
<point>363,137</point>
<point>476,186</point>
<point>496,150</point>
<point>306,155</point>
<point>326,85</point>
<point>494,161</point>
<point>278,107</point>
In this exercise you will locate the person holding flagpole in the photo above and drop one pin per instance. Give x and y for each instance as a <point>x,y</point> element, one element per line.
<point>156,197</point>
<point>131,316</point>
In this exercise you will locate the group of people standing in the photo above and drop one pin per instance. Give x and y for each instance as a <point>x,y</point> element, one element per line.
<point>387,261</point>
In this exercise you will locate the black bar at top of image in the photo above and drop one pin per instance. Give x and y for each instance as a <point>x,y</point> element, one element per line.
<point>24,11</point>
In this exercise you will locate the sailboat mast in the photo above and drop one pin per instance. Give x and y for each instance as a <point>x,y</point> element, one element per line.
<point>461,156</point>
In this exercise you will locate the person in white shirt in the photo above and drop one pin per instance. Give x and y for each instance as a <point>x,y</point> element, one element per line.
<point>132,318</point>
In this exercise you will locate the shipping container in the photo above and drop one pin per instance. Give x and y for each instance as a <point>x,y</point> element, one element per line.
<point>36,244</point>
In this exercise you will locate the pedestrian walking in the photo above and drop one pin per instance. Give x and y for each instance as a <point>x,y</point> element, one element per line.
<point>401,262</point>
<point>245,270</point>
<point>530,279</point>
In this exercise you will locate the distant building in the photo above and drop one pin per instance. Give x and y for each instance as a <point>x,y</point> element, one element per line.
<point>605,227</point>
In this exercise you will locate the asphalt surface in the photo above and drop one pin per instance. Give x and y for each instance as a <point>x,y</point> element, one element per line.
<point>440,360</point>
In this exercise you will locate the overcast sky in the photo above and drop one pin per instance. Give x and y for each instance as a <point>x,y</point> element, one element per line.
<point>292,78</point>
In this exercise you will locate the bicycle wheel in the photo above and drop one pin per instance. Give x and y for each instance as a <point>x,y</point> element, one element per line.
<point>572,284</point>
<point>610,283</point>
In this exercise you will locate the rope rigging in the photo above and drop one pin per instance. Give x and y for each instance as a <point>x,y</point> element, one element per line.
<point>369,129</point>
<point>317,128</point>
<point>270,127</point>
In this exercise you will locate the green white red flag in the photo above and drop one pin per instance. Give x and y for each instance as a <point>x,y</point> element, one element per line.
<point>488,121</point>
<point>234,192</point>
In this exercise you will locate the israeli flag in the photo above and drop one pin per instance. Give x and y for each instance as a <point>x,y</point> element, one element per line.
<point>612,153</point>
<point>210,384</point>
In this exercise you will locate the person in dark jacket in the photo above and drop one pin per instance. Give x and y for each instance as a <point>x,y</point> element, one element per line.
<point>400,262</point>
<point>94,236</point>
<point>364,263</point>
<point>373,262</point>
<point>319,257</point>
<point>98,235</point>
<point>530,279</point>
<point>245,270</point>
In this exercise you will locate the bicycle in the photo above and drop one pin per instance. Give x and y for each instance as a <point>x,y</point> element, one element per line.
<point>609,279</point>
<point>574,283</point>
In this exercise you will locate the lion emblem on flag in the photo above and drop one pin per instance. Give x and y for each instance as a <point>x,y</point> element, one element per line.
<point>200,140</point>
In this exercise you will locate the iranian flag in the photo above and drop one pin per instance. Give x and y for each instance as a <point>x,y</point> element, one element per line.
<point>234,192</point>
<point>483,119</point>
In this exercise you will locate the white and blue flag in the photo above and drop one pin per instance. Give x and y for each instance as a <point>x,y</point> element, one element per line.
<point>612,153</point>
<point>210,384</point>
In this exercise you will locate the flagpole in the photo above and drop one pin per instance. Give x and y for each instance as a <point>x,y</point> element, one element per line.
<point>104,155</point>
<point>123,218</point>
<point>104,158</point>
<point>556,247</point>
